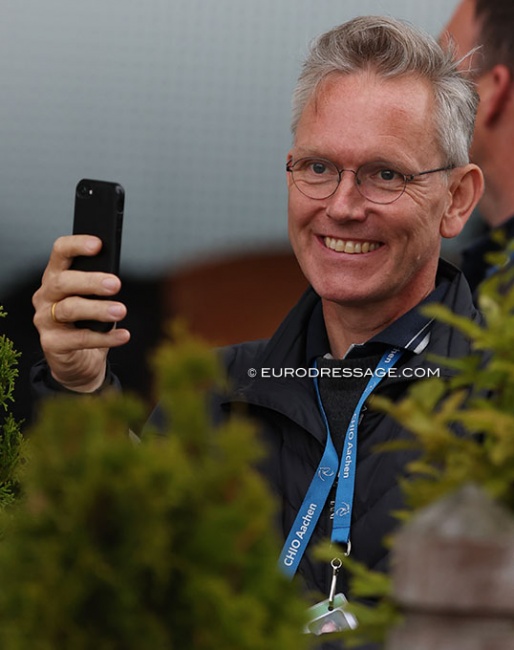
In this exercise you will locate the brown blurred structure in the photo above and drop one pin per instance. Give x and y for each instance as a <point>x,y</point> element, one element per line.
<point>236,298</point>
<point>453,576</point>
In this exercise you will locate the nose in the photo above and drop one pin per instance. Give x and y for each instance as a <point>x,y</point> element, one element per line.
<point>346,203</point>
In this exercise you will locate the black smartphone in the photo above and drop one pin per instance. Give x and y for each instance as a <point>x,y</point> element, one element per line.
<point>99,207</point>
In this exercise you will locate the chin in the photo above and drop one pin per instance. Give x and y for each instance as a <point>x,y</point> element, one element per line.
<point>339,293</point>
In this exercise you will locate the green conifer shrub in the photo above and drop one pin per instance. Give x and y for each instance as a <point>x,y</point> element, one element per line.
<point>10,434</point>
<point>462,429</point>
<point>166,544</point>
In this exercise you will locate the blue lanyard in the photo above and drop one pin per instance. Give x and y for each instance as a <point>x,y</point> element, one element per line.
<point>329,468</point>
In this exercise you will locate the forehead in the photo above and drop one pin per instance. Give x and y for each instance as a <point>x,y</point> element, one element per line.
<point>368,114</point>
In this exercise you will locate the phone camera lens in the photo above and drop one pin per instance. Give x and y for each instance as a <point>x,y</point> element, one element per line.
<point>84,191</point>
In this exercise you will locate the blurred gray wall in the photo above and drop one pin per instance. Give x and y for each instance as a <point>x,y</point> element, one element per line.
<point>184,103</point>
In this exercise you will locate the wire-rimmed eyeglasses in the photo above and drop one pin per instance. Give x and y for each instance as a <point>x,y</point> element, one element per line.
<point>318,178</point>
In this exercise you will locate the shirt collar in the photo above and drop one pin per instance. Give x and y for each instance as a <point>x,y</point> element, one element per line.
<point>410,332</point>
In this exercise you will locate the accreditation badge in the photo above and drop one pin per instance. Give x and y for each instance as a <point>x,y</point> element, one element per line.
<point>330,616</point>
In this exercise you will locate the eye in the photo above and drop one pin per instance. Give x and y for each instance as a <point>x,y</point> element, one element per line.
<point>381,176</point>
<point>317,167</point>
<point>388,175</point>
<point>314,167</point>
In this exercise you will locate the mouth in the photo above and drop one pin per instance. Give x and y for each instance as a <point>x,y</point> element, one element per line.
<point>351,246</point>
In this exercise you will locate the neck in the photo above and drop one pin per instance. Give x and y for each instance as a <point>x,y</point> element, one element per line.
<point>496,207</point>
<point>349,325</point>
<point>496,159</point>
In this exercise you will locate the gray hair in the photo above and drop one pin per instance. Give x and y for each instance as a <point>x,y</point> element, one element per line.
<point>393,48</point>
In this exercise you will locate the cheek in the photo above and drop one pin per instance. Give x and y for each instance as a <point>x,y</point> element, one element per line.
<point>291,217</point>
<point>425,216</point>
<point>417,196</point>
<point>298,213</point>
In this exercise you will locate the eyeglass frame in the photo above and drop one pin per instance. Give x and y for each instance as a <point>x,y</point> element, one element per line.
<point>407,178</point>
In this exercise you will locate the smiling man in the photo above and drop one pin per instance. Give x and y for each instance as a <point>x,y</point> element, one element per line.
<point>368,241</point>
<point>377,174</point>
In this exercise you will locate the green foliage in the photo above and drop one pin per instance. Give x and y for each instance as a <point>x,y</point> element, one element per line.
<point>463,431</point>
<point>165,544</point>
<point>10,435</point>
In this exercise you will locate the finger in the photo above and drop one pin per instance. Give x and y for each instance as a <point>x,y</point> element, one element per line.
<point>69,246</point>
<point>71,339</point>
<point>80,283</point>
<point>72,309</point>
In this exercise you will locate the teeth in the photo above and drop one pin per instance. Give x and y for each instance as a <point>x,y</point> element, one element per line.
<point>350,246</point>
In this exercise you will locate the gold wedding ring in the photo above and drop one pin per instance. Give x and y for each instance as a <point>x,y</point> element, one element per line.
<point>52,311</point>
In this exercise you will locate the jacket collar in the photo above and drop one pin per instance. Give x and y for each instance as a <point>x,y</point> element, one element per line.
<point>410,332</point>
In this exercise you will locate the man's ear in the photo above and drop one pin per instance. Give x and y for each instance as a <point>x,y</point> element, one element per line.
<point>495,89</point>
<point>466,188</point>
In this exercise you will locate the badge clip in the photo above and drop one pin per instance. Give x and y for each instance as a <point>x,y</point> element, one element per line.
<point>330,615</point>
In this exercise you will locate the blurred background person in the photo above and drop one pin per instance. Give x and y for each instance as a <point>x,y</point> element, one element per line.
<point>489,24</point>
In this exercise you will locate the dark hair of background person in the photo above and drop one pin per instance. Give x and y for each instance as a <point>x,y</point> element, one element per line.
<point>496,18</point>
